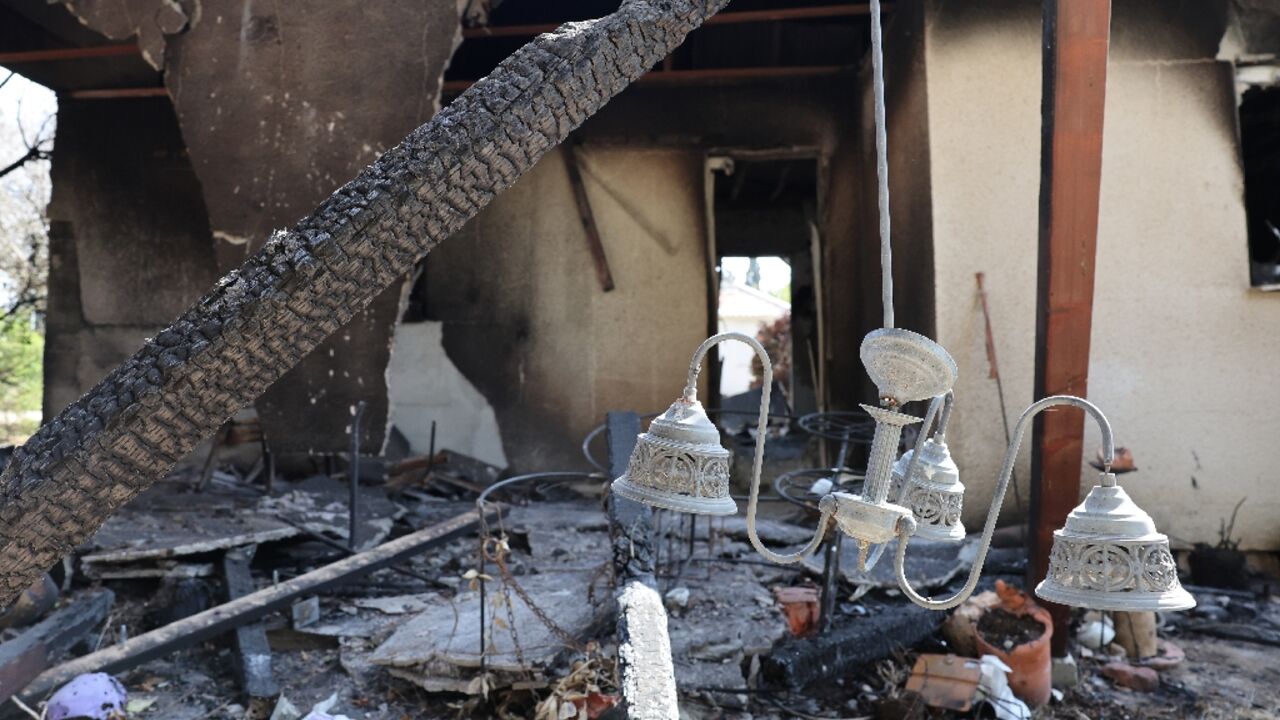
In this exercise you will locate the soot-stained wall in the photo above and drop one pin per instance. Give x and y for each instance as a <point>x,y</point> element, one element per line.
<point>527,321</point>
<point>279,104</point>
<point>523,315</point>
<point>129,245</point>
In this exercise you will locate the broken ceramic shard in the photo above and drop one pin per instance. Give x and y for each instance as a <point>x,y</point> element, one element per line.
<point>93,696</point>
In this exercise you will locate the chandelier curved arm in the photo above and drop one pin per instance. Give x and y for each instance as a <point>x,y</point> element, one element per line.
<point>691,395</point>
<point>1011,455</point>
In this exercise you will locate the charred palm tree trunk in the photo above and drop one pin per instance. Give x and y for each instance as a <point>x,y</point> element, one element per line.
<point>261,319</point>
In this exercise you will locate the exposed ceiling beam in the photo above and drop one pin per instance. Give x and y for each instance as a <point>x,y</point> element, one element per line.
<point>728,18</point>
<point>708,75</point>
<point>116,93</point>
<point>69,53</point>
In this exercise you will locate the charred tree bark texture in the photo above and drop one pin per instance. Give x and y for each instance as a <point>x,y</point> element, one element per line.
<point>306,282</point>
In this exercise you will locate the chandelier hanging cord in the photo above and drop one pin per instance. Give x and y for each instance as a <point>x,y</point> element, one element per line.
<point>1011,456</point>
<point>691,395</point>
<point>882,164</point>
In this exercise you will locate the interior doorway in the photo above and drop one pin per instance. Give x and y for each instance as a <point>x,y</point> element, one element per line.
<point>765,252</point>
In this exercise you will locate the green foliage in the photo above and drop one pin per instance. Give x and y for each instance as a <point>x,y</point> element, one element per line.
<point>21,363</point>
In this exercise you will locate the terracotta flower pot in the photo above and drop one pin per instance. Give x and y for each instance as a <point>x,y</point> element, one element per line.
<point>1030,675</point>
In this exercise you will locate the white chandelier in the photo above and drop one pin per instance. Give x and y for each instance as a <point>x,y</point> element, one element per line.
<point>1108,556</point>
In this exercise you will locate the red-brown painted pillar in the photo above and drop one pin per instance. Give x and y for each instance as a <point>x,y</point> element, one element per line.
<point>1076,38</point>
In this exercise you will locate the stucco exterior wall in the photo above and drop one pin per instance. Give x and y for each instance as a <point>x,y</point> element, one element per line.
<point>984,131</point>
<point>1182,350</point>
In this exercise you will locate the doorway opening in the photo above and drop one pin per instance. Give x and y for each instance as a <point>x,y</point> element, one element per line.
<point>766,250</point>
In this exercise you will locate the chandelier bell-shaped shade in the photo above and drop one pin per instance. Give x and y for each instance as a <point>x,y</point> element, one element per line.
<point>679,464</point>
<point>933,493</point>
<point>1109,556</point>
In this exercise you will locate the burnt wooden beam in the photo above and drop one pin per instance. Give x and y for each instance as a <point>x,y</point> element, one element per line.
<point>72,53</point>
<point>252,652</point>
<point>589,227</point>
<point>821,12</point>
<point>23,658</point>
<point>710,76</point>
<point>1076,39</point>
<point>236,613</point>
<point>116,93</point>
<point>307,281</point>
<point>799,662</point>
<point>645,667</point>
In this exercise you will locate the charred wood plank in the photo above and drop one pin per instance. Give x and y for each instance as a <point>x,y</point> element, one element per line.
<point>1256,632</point>
<point>796,663</point>
<point>588,217</point>
<point>307,281</point>
<point>252,657</point>
<point>26,656</point>
<point>224,618</point>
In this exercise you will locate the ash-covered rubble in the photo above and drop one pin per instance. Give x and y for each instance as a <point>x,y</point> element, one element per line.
<point>373,631</point>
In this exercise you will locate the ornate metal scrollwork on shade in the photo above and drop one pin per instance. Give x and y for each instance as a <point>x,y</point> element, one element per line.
<point>934,492</point>
<point>680,464</point>
<point>1109,556</point>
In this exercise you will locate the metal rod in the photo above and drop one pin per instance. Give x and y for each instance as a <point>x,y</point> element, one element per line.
<point>882,163</point>
<point>268,467</point>
<point>831,559</point>
<point>353,467</point>
<point>994,373</point>
<point>431,447</point>
<point>830,582</point>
